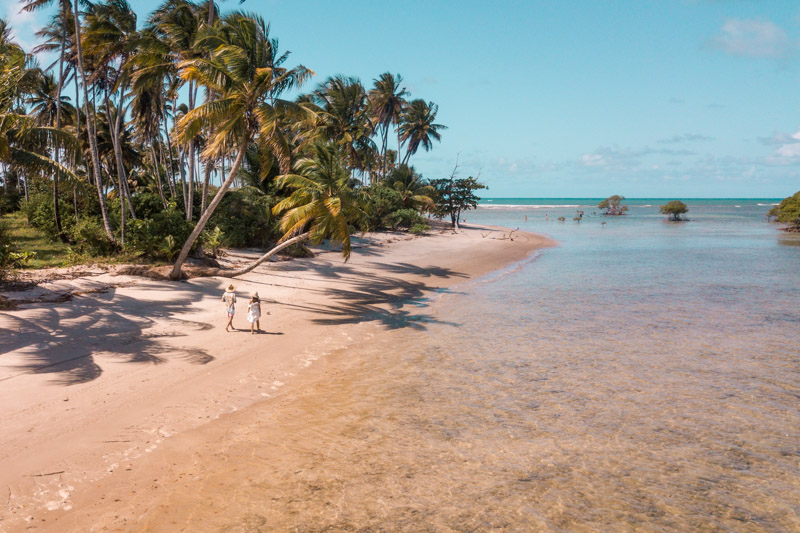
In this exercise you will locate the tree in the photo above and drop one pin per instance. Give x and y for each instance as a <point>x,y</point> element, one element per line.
<point>788,212</point>
<point>387,101</point>
<point>456,195</point>
<point>245,70</point>
<point>322,204</point>
<point>674,209</point>
<point>417,127</point>
<point>414,192</point>
<point>612,205</point>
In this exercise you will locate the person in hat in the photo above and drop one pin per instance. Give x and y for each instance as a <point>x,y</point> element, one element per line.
<point>254,313</point>
<point>229,299</point>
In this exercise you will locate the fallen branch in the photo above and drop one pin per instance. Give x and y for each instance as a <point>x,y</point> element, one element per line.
<point>48,474</point>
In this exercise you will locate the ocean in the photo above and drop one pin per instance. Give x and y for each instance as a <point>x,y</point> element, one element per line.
<point>641,376</point>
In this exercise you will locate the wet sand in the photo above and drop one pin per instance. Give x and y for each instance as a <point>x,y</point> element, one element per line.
<point>116,406</point>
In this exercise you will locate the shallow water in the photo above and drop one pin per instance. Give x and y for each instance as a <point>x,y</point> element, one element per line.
<point>643,375</point>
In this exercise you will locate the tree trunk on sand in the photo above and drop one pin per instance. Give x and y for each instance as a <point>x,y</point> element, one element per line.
<point>266,256</point>
<point>90,129</point>
<point>206,179</point>
<point>176,270</point>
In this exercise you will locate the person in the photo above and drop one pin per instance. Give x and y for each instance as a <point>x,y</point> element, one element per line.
<point>254,313</point>
<point>229,299</point>
<point>546,217</point>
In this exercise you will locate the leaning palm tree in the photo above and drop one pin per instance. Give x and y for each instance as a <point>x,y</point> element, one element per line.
<point>418,128</point>
<point>322,204</point>
<point>386,104</point>
<point>245,71</point>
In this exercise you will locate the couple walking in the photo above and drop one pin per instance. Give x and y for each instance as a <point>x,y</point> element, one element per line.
<point>253,309</point>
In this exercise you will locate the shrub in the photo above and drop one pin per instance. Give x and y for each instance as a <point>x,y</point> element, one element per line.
<point>673,209</point>
<point>213,240</point>
<point>788,211</point>
<point>403,218</point>
<point>419,229</point>
<point>90,238</point>
<point>381,201</point>
<point>244,218</point>
<point>147,236</point>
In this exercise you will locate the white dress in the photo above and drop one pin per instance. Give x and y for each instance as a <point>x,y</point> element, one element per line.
<point>254,312</point>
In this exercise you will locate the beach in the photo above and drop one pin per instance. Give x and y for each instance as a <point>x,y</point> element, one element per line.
<point>108,399</point>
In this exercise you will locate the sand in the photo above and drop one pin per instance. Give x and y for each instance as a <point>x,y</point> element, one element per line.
<point>106,400</point>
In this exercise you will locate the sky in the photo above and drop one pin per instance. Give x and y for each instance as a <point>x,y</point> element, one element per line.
<point>675,98</point>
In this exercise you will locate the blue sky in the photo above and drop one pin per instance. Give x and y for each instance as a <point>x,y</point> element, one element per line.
<point>675,98</point>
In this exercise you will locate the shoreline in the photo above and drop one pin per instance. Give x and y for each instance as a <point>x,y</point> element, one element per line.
<point>76,423</point>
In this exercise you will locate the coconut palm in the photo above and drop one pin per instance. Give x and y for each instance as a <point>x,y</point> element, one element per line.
<point>346,118</point>
<point>322,204</point>
<point>245,70</point>
<point>418,128</point>
<point>414,192</point>
<point>91,129</point>
<point>386,105</point>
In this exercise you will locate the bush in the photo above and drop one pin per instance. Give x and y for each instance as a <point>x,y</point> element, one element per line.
<point>403,218</point>
<point>244,217</point>
<point>674,209</point>
<point>147,236</point>
<point>90,238</point>
<point>381,202</point>
<point>419,229</point>
<point>10,201</point>
<point>788,211</point>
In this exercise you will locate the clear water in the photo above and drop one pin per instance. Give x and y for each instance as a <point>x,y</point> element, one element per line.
<point>643,375</point>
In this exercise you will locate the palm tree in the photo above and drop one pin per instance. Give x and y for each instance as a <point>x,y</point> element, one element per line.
<point>386,103</point>
<point>418,128</point>
<point>62,20</point>
<point>246,72</point>
<point>91,129</point>
<point>346,117</point>
<point>322,204</point>
<point>414,192</point>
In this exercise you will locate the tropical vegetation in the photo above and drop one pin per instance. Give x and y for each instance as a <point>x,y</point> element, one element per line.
<point>788,212</point>
<point>674,209</point>
<point>173,136</point>
<point>613,205</point>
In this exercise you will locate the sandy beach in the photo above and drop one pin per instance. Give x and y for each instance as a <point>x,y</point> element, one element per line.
<point>108,400</point>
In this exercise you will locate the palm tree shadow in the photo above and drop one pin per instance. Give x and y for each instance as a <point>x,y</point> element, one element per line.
<point>65,340</point>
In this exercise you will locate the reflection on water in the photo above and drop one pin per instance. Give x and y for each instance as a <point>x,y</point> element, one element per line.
<point>640,376</point>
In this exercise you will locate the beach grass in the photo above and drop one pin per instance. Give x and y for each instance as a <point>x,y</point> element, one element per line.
<point>26,238</point>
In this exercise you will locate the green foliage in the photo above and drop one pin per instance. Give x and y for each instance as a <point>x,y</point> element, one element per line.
<point>168,248</point>
<point>244,217</point>
<point>381,200</point>
<point>89,238</point>
<point>149,236</point>
<point>612,205</point>
<point>788,211</point>
<point>10,201</point>
<point>419,229</point>
<point>674,209</point>
<point>452,196</point>
<point>403,218</point>
<point>212,239</point>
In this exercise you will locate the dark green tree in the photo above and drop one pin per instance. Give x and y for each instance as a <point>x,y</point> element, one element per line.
<point>612,205</point>
<point>454,196</point>
<point>674,209</point>
<point>788,212</point>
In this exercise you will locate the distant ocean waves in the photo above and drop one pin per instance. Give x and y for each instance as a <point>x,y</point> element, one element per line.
<point>531,206</point>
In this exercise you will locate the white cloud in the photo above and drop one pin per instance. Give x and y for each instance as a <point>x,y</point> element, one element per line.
<point>788,150</point>
<point>753,38</point>
<point>594,160</point>
<point>686,137</point>
<point>23,24</point>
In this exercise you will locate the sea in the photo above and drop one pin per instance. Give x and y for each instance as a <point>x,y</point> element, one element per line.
<point>642,375</point>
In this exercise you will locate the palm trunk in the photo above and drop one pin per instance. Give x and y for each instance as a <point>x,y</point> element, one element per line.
<point>57,148</point>
<point>123,175</point>
<point>120,170</point>
<point>190,194</point>
<point>266,256</point>
<point>201,224</point>
<point>158,174</point>
<point>206,179</point>
<point>90,129</point>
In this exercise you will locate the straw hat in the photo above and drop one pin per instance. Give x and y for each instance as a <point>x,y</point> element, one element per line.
<point>231,287</point>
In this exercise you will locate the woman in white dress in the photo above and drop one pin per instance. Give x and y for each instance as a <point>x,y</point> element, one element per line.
<point>254,313</point>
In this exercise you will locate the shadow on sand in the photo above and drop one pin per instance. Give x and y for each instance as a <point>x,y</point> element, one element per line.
<point>65,339</point>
